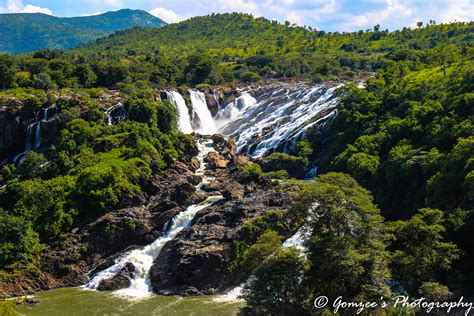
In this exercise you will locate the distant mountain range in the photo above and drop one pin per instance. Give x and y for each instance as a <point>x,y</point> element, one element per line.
<point>28,32</point>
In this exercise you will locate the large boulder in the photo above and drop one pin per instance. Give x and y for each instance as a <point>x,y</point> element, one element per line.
<point>119,281</point>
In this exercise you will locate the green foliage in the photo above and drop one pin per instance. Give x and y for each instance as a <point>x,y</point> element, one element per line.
<point>44,203</point>
<point>347,247</point>
<point>102,168</point>
<point>34,165</point>
<point>420,253</point>
<point>408,140</point>
<point>7,308</point>
<point>216,49</point>
<point>303,149</point>
<point>295,166</point>
<point>268,223</point>
<point>19,244</point>
<point>251,172</point>
<point>276,287</point>
<point>109,183</point>
<point>268,243</point>
<point>7,70</point>
<point>141,110</point>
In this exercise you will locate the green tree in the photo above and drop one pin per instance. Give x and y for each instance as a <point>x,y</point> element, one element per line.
<point>34,165</point>
<point>19,244</point>
<point>167,117</point>
<point>445,55</point>
<point>8,70</point>
<point>276,286</point>
<point>141,110</point>
<point>198,69</point>
<point>419,250</point>
<point>347,247</point>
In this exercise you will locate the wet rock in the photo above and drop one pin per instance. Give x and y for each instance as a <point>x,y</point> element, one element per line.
<point>119,281</point>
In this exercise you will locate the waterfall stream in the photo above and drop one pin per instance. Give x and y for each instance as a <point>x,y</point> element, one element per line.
<point>205,124</point>
<point>274,119</point>
<point>143,258</point>
<point>33,135</point>
<point>184,119</point>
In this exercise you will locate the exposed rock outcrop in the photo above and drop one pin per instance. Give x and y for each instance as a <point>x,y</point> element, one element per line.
<point>10,132</point>
<point>119,281</point>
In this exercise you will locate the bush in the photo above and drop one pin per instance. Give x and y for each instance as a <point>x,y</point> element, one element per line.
<point>19,243</point>
<point>250,173</point>
<point>295,166</point>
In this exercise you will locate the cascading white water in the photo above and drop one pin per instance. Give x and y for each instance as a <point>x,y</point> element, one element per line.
<point>206,124</point>
<point>299,238</point>
<point>33,142</point>
<point>184,119</point>
<point>241,106</point>
<point>278,118</point>
<point>215,93</point>
<point>108,113</point>
<point>143,258</point>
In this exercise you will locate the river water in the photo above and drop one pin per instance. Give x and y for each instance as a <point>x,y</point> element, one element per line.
<point>80,302</point>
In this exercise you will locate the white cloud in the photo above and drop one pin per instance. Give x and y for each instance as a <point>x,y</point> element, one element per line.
<point>294,17</point>
<point>16,6</point>
<point>166,15</point>
<point>113,3</point>
<point>92,14</point>
<point>243,6</point>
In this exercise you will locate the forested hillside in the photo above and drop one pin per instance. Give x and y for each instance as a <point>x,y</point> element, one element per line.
<point>229,48</point>
<point>28,32</point>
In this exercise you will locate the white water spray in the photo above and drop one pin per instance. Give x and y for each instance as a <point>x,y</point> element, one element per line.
<point>206,124</point>
<point>184,120</point>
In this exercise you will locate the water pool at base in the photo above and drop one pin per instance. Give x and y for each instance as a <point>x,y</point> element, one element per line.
<point>80,302</point>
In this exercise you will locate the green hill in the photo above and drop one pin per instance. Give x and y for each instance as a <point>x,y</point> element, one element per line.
<point>27,32</point>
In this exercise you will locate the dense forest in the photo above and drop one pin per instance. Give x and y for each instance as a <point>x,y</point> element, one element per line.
<point>395,191</point>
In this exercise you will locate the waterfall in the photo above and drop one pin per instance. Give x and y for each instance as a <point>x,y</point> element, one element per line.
<point>108,113</point>
<point>143,258</point>
<point>206,124</point>
<point>33,141</point>
<point>312,173</point>
<point>184,120</point>
<point>273,119</point>
<point>241,106</point>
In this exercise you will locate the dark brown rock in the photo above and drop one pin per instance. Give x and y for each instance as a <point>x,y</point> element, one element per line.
<point>119,281</point>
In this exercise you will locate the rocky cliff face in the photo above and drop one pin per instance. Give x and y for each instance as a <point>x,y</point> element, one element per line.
<point>10,133</point>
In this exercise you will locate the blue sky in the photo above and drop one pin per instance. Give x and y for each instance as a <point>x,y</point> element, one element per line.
<point>329,15</point>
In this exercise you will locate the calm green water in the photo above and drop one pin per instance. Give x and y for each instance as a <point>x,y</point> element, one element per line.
<point>74,301</point>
